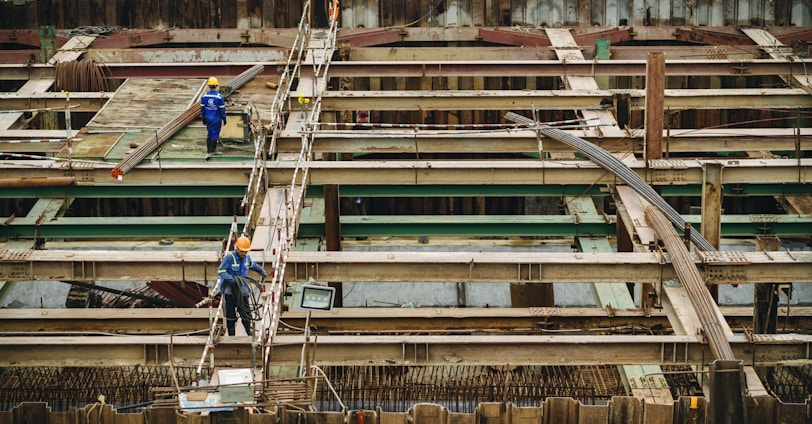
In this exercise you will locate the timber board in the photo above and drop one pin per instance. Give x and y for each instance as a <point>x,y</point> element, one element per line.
<point>147,103</point>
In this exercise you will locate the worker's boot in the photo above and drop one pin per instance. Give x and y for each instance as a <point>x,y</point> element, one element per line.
<point>248,330</point>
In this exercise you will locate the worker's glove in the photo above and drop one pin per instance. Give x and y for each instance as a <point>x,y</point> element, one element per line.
<point>262,272</point>
<point>224,121</point>
<point>203,118</point>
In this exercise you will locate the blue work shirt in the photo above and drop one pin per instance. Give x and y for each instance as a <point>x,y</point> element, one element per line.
<point>213,107</point>
<point>231,266</point>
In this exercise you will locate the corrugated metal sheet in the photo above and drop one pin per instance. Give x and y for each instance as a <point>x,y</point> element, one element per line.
<point>387,13</point>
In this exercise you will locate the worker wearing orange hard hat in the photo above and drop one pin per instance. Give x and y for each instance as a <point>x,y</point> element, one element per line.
<point>213,114</point>
<point>236,286</point>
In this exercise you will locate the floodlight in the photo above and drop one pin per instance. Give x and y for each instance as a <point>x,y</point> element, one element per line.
<point>316,298</point>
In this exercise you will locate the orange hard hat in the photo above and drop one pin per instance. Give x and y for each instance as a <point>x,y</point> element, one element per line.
<point>243,243</point>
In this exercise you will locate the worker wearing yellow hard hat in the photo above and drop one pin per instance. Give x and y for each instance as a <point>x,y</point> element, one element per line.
<point>213,114</point>
<point>235,285</point>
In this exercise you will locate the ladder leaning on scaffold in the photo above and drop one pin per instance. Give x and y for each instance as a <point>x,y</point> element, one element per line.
<point>282,233</point>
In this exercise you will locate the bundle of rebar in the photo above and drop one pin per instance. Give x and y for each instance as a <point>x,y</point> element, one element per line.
<point>240,80</point>
<point>688,274</point>
<point>170,128</point>
<point>612,164</point>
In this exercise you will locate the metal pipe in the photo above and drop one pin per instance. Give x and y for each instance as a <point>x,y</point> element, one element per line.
<point>37,182</point>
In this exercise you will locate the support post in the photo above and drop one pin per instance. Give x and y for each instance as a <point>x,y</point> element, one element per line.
<point>766,295</point>
<point>332,230</point>
<point>712,211</point>
<point>655,93</point>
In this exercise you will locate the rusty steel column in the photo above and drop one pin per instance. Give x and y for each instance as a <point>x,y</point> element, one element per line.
<point>332,230</point>
<point>655,86</point>
<point>766,295</point>
<point>712,211</point>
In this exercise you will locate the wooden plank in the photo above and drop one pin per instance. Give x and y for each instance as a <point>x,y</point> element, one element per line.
<point>73,49</point>
<point>35,134</point>
<point>147,103</point>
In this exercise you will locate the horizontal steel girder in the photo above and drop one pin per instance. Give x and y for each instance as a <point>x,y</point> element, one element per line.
<point>119,227</point>
<point>101,191</point>
<point>525,141</point>
<point>422,172</point>
<point>517,320</point>
<point>561,100</point>
<point>380,225</point>
<point>398,349</point>
<point>537,225</point>
<point>79,102</point>
<point>415,68</point>
<point>556,68</point>
<point>148,191</point>
<point>491,267</point>
<point>506,35</point>
<point>509,53</point>
<point>549,267</point>
<point>661,172</point>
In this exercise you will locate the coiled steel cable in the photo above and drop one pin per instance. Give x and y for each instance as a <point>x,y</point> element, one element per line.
<point>612,164</point>
<point>80,76</point>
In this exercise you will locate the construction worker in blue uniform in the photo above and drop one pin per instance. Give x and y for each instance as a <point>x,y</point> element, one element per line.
<point>235,286</point>
<point>213,114</point>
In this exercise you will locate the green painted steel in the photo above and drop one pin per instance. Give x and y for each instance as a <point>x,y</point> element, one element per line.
<point>383,225</point>
<point>120,227</point>
<point>158,191</point>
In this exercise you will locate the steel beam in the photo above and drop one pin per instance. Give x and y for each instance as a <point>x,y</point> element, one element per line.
<point>562,100</point>
<point>491,267</point>
<point>377,320</point>
<point>422,141</point>
<point>422,172</point>
<point>555,68</point>
<point>430,54</point>
<point>508,68</point>
<point>119,227</point>
<point>80,102</point>
<point>187,55</point>
<point>398,349</point>
<point>665,172</point>
<point>101,191</point>
<point>380,225</point>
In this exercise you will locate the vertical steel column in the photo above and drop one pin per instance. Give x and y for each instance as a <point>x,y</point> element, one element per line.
<point>332,231</point>
<point>712,211</point>
<point>655,86</point>
<point>765,296</point>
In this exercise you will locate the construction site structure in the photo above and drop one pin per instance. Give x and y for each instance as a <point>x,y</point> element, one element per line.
<point>467,211</point>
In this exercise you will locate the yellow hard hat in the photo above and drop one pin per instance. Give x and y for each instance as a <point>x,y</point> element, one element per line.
<point>213,81</point>
<point>244,243</point>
